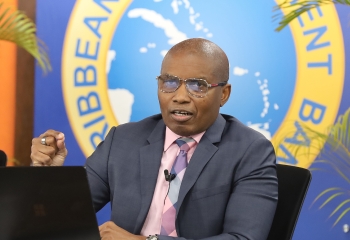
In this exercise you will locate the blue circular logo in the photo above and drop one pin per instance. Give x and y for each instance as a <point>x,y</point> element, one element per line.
<point>280,81</point>
<point>262,71</point>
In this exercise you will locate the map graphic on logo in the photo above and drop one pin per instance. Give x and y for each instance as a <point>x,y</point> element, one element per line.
<point>262,89</point>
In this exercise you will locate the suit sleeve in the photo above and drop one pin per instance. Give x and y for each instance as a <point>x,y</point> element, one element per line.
<point>253,200</point>
<point>97,172</point>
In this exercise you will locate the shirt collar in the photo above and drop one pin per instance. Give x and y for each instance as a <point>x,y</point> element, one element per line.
<point>170,138</point>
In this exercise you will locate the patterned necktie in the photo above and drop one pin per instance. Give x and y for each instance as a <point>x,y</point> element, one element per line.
<point>170,204</point>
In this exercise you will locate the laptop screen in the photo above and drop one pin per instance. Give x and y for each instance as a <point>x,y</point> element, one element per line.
<point>46,203</point>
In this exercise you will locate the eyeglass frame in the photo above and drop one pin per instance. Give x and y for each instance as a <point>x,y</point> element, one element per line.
<point>209,85</point>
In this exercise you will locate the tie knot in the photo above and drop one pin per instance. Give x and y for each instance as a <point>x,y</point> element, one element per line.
<point>185,143</point>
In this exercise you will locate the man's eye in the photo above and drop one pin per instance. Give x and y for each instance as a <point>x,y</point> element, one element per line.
<point>196,83</point>
<point>201,84</point>
<point>170,83</point>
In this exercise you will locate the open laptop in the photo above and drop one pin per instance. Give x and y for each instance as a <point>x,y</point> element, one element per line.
<point>46,203</point>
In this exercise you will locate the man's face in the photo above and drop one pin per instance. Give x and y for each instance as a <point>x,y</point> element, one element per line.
<point>184,114</point>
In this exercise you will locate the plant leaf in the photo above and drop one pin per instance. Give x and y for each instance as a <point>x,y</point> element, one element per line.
<point>330,199</point>
<point>297,8</point>
<point>341,216</point>
<point>324,192</point>
<point>339,206</point>
<point>19,29</point>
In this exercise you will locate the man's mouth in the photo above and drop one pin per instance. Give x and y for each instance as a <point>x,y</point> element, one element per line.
<point>181,113</point>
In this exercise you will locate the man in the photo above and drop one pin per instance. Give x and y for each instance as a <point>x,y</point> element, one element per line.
<point>228,189</point>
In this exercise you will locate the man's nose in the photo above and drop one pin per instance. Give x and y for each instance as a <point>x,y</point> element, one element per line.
<point>181,94</point>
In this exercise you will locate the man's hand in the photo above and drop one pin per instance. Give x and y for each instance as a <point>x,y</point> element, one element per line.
<point>51,154</point>
<point>110,231</point>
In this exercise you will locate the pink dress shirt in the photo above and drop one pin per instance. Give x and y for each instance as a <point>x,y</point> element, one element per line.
<point>171,150</point>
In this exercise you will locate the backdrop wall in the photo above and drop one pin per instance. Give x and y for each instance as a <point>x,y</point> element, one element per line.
<point>106,55</point>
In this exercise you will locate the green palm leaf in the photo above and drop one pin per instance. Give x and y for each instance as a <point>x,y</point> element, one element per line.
<point>19,29</point>
<point>341,216</point>
<point>330,198</point>
<point>334,149</point>
<point>338,192</point>
<point>334,144</point>
<point>299,7</point>
<point>339,207</point>
<point>338,137</point>
<point>324,192</point>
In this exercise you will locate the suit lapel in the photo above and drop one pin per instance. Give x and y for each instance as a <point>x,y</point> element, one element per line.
<point>203,153</point>
<point>150,159</point>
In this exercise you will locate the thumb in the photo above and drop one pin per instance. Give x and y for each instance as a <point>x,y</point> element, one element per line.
<point>61,147</point>
<point>60,141</point>
<point>62,150</point>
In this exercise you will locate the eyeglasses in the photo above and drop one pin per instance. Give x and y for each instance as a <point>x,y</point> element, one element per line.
<point>195,87</point>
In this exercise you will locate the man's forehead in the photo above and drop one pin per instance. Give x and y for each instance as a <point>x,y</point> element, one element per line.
<point>198,45</point>
<point>193,52</point>
<point>201,65</point>
<point>195,57</point>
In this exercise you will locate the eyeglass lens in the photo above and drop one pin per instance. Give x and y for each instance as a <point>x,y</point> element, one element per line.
<point>197,87</point>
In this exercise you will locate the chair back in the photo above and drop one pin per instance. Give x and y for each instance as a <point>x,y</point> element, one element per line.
<point>293,183</point>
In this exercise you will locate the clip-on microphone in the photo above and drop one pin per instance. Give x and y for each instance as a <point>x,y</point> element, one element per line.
<point>169,177</point>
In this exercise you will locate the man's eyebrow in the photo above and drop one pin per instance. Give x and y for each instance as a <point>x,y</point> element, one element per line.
<point>167,74</point>
<point>197,77</point>
<point>201,77</point>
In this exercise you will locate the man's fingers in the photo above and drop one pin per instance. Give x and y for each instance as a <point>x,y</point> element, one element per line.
<point>52,136</point>
<point>106,230</point>
<point>106,226</point>
<point>102,226</point>
<point>60,144</point>
<point>53,133</point>
<point>41,159</point>
<point>55,141</point>
<point>49,149</point>
<point>49,140</point>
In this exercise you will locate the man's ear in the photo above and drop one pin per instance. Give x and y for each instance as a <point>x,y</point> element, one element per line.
<point>226,92</point>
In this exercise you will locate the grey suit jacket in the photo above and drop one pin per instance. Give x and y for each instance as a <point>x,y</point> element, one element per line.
<point>229,190</point>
